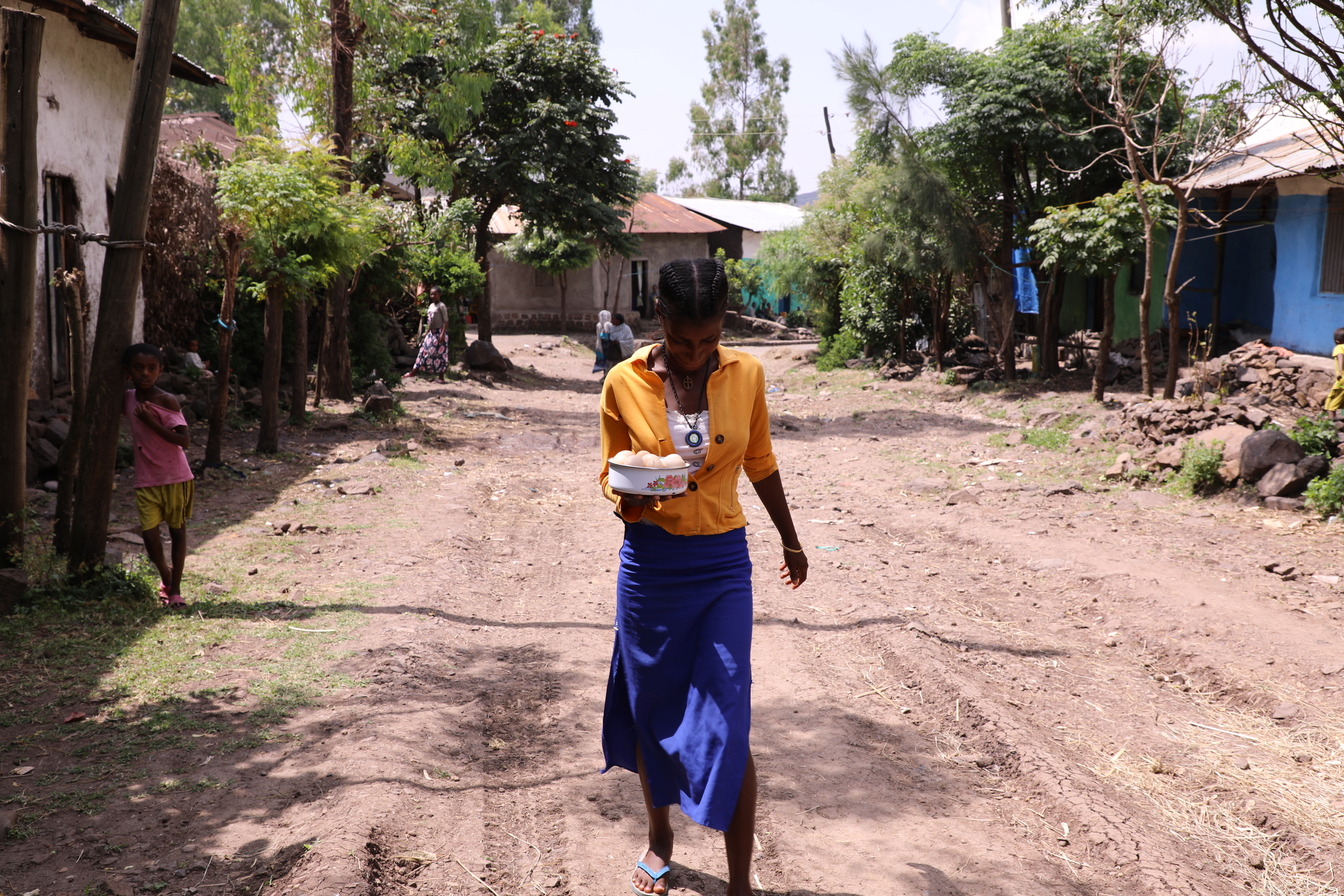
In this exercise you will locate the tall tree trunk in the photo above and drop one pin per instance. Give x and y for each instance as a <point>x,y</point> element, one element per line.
<point>232,249</point>
<point>334,377</point>
<point>485,331</point>
<point>1050,325</point>
<point>21,38</point>
<point>298,369</point>
<point>564,311</point>
<point>1009,187</point>
<point>268,434</point>
<point>333,361</point>
<point>74,296</point>
<point>1107,334</point>
<point>121,282</point>
<point>1171,294</point>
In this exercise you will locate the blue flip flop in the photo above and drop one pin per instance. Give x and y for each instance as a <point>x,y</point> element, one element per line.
<point>654,875</point>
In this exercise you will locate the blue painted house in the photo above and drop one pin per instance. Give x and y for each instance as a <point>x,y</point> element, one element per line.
<point>1275,267</point>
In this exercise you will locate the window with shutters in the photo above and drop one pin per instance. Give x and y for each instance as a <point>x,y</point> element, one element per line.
<point>1332,253</point>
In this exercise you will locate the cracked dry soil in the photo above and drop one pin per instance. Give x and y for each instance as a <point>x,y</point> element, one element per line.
<point>1038,690</point>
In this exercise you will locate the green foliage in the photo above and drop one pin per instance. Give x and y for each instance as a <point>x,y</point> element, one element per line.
<point>51,584</point>
<point>1051,439</point>
<point>1325,495</point>
<point>836,350</point>
<point>1316,435</point>
<point>738,130</point>
<point>1200,462</point>
<point>252,102</point>
<point>746,279</point>
<point>574,16</point>
<point>301,229</point>
<point>554,252</point>
<point>1098,237</point>
<point>539,138</point>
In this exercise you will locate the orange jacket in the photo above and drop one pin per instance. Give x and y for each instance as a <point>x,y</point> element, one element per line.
<point>634,417</point>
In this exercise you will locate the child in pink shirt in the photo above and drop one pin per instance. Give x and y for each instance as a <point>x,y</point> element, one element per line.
<point>164,485</point>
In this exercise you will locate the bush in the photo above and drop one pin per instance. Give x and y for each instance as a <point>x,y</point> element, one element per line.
<point>1326,494</point>
<point>1316,435</point>
<point>1199,468</point>
<point>837,349</point>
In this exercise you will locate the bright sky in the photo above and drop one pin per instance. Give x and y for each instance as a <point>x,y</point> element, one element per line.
<point>657,48</point>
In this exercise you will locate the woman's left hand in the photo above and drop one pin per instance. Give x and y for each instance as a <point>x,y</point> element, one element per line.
<point>794,568</point>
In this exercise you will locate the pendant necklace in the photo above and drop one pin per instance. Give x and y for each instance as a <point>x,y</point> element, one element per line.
<point>694,438</point>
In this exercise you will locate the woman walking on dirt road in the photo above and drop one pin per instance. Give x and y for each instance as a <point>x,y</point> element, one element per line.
<point>678,706</point>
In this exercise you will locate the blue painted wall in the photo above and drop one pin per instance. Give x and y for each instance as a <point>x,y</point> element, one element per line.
<point>1304,318</point>
<point>1248,269</point>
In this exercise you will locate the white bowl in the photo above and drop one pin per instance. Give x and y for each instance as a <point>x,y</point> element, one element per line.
<point>648,480</point>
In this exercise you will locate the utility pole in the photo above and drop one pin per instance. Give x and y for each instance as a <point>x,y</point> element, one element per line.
<point>1006,9</point>
<point>826,113</point>
<point>20,54</point>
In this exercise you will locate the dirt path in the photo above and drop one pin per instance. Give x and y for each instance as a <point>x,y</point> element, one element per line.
<point>1054,685</point>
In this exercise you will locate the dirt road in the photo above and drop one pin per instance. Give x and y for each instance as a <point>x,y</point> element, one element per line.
<point>1053,685</point>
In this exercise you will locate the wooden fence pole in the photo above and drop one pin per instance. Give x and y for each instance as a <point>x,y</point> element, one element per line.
<point>20,187</point>
<point>121,282</point>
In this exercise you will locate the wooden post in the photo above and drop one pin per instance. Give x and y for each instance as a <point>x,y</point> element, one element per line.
<point>121,283</point>
<point>20,55</point>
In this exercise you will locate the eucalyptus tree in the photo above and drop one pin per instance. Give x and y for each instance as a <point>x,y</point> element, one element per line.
<point>738,128</point>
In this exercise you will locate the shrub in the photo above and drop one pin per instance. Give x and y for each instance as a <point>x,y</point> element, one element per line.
<point>837,349</point>
<point>1199,468</point>
<point>1316,435</point>
<point>1326,494</point>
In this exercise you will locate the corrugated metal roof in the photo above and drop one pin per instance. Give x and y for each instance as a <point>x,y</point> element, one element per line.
<point>96,23</point>
<point>762,217</point>
<point>1301,152</point>
<point>651,214</point>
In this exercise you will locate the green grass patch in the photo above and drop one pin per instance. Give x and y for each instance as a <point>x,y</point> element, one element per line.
<point>1049,439</point>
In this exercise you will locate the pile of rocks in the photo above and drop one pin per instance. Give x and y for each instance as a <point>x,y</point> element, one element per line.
<point>1263,374</point>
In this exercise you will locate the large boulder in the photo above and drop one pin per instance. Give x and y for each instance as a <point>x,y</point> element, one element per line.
<point>484,356</point>
<point>1313,466</point>
<point>1232,436</point>
<point>1262,450</point>
<point>1282,481</point>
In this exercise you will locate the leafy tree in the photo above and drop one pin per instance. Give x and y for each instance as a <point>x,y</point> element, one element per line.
<point>540,138</point>
<point>202,30</point>
<point>926,230</point>
<point>1097,238</point>
<point>300,230</point>
<point>1169,137</point>
<point>555,252</point>
<point>808,262</point>
<point>569,16</point>
<point>1015,135</point>
<point>738,131</point>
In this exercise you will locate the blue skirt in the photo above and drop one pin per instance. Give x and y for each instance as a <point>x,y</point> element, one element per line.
<point>680,684</point>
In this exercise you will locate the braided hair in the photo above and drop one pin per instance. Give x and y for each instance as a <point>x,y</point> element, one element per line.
<point>692,288</point>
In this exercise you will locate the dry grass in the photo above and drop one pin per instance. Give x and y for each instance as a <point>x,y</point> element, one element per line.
<point>1259,819</point>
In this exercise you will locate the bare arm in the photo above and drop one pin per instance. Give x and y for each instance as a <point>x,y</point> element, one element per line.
<point>771,492</point>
